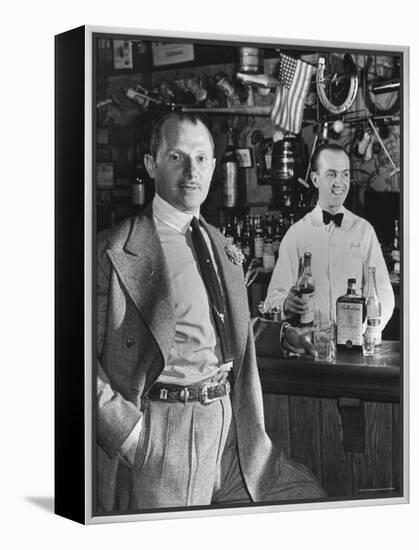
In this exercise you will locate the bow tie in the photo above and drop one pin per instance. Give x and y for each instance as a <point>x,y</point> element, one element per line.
<point>337,218</point>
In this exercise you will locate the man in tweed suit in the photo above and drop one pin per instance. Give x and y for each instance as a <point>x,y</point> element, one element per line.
<point>177,423</point>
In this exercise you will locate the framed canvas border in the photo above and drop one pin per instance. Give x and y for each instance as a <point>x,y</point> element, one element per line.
<point>81,506</point>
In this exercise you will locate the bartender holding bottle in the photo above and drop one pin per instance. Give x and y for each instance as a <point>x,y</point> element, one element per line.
<point>342,245</point>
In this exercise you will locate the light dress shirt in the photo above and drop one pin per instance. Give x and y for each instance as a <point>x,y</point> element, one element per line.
<point>195,353</point>
<point>337,254</point>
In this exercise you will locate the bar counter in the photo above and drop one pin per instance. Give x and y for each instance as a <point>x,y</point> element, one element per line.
<point>374,378</point>
<point>342,419</point>
<point>352,375</point>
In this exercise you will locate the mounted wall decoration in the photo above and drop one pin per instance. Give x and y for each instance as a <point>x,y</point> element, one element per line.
<point>337,91</point>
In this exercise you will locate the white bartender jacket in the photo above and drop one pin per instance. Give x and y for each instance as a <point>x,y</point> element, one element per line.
<point>337,254</point>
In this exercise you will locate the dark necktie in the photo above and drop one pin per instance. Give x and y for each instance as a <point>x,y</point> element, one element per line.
<point>337,218</point>
<point>212,284</point>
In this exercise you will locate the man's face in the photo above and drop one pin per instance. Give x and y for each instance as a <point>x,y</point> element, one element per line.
<point>332,179</point>
<point>184,164</point>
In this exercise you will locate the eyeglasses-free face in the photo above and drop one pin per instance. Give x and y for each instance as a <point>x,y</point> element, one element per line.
<point>184,164</point>
<point>332,179</point>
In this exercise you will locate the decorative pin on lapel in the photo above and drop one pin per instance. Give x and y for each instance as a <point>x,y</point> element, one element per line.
<point>234,254</point>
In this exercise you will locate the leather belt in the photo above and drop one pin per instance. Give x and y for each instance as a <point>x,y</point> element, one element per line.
<point>204,393</point>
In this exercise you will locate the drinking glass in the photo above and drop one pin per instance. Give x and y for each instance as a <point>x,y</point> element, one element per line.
<point>324,336</point>
<point>368,343</point>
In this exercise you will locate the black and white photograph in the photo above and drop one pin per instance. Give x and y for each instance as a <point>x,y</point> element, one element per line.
<point>209,282</point>
<point>248,317</point>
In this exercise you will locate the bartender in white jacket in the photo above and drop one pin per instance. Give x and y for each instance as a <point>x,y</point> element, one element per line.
<point>342,245</point>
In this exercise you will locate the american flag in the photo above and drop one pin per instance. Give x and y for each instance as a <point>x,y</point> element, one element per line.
<point>294,76</point>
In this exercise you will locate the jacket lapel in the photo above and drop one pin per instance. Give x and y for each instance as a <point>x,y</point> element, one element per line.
<point>234,291</point>
<point>143,271</point>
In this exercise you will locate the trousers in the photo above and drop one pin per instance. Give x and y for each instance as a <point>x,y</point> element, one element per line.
<point>187,456</point>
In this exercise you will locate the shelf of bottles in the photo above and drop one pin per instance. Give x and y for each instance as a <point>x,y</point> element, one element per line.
<point>124,188</point>
<point>257,236</point>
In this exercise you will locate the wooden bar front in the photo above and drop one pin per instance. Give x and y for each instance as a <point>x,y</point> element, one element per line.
<point>343,420</point>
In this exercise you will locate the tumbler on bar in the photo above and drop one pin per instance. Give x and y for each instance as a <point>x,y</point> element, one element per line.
<point>324,336</point>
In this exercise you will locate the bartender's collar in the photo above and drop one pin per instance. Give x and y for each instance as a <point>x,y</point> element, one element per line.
<point>171,216</point>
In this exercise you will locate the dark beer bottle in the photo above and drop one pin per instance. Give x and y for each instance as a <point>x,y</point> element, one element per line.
<point>305,290</point>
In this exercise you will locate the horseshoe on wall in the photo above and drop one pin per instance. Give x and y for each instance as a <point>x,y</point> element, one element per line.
<point>324,81</point>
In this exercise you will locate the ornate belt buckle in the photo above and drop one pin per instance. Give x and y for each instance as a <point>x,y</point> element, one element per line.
<point>203,393</point>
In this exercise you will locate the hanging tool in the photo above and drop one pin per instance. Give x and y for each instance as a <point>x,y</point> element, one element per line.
<point>304,181</point>
<point>377,135</point>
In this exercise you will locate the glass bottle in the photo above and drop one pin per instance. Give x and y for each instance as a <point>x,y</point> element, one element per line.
<point>238,230</point>
<point>229,171</point>
<point>373,306</point>
<point>395,254</point>
<point>350,314</point>
<point>229,231</point>
<point>276,240</point>
<point>246,245</point>
<point>268,260</point>
<point>305,289</point>
<point>138,188</point>
<point>281,225</point>
<point>258,242</point>
<point>268,231</point>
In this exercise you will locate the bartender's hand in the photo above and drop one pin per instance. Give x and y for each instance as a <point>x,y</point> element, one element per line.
<point>294,304</point>
<point>298,340</point>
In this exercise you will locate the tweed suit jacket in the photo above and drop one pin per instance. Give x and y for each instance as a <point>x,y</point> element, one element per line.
<point>135,329</point>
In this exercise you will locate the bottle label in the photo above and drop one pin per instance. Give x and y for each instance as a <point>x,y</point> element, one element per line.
<point>374,327</point>
<point>259,245</point>
<point>349,324</point>
<point>268,260</point>
<point>376,331</point>
<point>308,316</point>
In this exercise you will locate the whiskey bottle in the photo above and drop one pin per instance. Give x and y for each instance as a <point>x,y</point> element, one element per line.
<point>229,231</point>
<point>373,306</point>
<point>246,244</point>
<point>268,259</point>
<point>138,188</point>
<point>258,242</point>
<point>276,241</point>
<point>278,234</point>
<point>350,314</point>
<point>305,290</point>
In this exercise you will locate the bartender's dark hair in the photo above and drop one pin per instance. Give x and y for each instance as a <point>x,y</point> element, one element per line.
<point>156,136</point>
<point>325,147</point>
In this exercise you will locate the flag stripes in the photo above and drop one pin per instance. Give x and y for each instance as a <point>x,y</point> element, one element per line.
<point>295,76</point>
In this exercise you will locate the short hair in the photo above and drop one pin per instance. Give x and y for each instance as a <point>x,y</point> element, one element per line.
<point>156,136</point>
<point>334,147</point>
